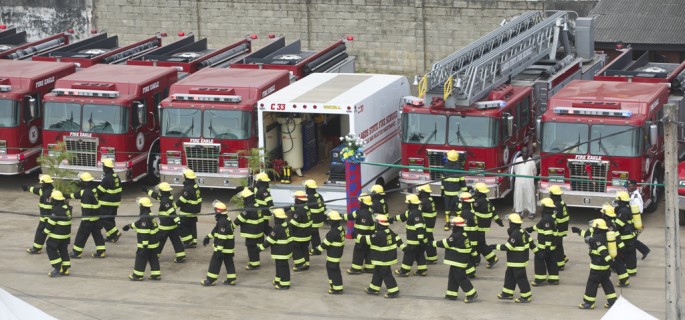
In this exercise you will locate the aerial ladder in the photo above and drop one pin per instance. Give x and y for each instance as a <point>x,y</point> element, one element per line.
<point>469,74</point>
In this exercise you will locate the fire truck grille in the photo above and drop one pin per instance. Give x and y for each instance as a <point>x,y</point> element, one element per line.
<point>203,158</point>
<point>592,174</point>
<point>83,151</point>
<point>436,159</point>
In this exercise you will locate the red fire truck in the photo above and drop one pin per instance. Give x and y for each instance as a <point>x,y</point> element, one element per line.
<point>99,49</point>
<point>108,111</point>
<point>209,119</point>
<point>619,119</point>
<point>482,99</point>
<point>681,191</point>
<point>14,45</point>
<point>22,86</point>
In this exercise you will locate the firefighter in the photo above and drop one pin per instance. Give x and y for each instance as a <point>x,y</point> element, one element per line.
<point>546,269</point>
<point>414,250</point>
<point>223,247</point>
<point>251,228</point>
<point>600,260</point>
<point>637,206</point>
<point>286,172</point>
<point>457,255</point>
<point>628,233</point>
<point>378,206</point>
<point>147,234</point>
<point>485,214</point>
<point>363,225</point>
<point>189,205</point>
<point>168,220</point>
<point>429,214</point>
<point>334,244</point>
<point>561,218</point>
<point>383,243</point>
<point>109,194</point>
<point>301,232</point>
<point>58,232</point>
<point>465,211</point>
<point>90,218</point>
<point>281,249</point>
<point>619,266</point>
<point>452,184</point>
<point>317,207</point>
<point>44,208</point>
<point>517,247</point>
<point>262,198</point>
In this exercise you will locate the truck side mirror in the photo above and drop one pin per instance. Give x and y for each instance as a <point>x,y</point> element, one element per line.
<point>33,106</point>
<point>510,124</point>
<point>653,134</point>
<point>140,112</point>
<point>538,127</point>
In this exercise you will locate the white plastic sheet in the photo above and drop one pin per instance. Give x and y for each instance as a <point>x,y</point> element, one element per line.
<point>13,308</point>
<point>623,309</point>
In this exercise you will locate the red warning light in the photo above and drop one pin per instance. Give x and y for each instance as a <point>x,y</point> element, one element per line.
<point>93,31</point>
<point>253,36</point>
<point>350,38</point>
<point>162,34</point>
<point>70,31</point>
<point>271,36</point>
<point>3,27</point>
<point>181,33</point>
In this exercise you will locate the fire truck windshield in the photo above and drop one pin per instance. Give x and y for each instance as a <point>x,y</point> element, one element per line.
<point>473,131</point>
<point>62,116</point>
<point>9,113</point>
<point>564,137</point>
<point>181,122</point>
<point>423,128</point>
<point>626,142</point>
<point>226,124</point>
<point>99,118</point>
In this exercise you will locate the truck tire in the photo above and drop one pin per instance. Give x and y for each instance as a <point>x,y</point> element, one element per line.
<point>655,192</point>
<point>153,159</point>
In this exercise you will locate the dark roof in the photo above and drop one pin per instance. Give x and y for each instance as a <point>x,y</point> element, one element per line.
<point>640,21</point>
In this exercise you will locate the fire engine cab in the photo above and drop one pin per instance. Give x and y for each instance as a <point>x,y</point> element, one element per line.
<point>108,111</point>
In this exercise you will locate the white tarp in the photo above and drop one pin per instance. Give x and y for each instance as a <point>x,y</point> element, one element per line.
<point>13,308</point>
<point>623,309</point>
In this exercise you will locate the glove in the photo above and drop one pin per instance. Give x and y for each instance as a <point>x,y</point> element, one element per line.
<point>205,242</point>
<point>25,188</point>
<point>499,222</point>
<point>587,239</point>
<point>493,247</point>
<point>144,189</point>
<point>575,230</point>
<point>126,227</point>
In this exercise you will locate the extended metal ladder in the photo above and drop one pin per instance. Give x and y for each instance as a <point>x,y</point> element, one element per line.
<point>491,60</point>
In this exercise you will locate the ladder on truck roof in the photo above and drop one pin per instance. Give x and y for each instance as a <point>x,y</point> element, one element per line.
<point>492,60</point>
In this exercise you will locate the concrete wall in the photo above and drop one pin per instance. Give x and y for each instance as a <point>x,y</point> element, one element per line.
<point>391,36</point>
<point>41,18</point>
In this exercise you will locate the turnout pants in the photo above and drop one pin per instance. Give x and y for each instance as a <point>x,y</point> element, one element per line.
<point>173,236</point>
<point>316,237</point>
<point>383,274</point>
<point>215,262</point>
<point>597,278</point>
<point>335,281</point>
<point>282,273</point>
<point>361,257</point>
<point>188,230</point>
<point>86,229</point>
<point>546,267</point>
<point>39,238</point>
<point>559,254</point>
<point>143,258</point>
<point>58,253</point>
<point>108,220</point>
<point>641,247</point>
<point>630,257</point>
<point>457,279</point>
<point>414,253</point>
<point>619,266</point>
<point>483,249</point>
<point>253,251</point>
<point>450,203</point>
<point>516,276</point>
<point>301,253</point>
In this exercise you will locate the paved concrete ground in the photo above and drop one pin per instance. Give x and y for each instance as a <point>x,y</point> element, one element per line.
<point>100,289</point>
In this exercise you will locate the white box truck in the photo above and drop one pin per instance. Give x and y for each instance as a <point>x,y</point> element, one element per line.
<point>302,125</point>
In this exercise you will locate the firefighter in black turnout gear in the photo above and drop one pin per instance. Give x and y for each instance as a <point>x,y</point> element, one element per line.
<point>147,234</point>
<point>363,225</point>
<point>379,205</point>
<point>470,229</point>
<point>189,205</point>
<point>281,249</point>
<point>452,184</point>
<point>414,251</point>
<point>168,220</point>
<point>485,214</point>
<point>109,194</point>
<point>317,207</point>
<point>58,231</point>
<point>457,255</point>
<point>90,218</point>
<point>383,243</point>
<point>517,248</point>
<point>628,232</point>
<point>334,244</point>
<point>263,198</point>
<point>430,215</point>
<point>600,262</point>
<point>251,228</point>
<point>300,232</point>
<point>44,208</point>
<point>223,247</point>
<point>546,269</point>
<point>561,218</point>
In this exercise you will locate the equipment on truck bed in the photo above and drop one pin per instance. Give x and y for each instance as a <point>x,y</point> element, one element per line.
<point>14,45</point>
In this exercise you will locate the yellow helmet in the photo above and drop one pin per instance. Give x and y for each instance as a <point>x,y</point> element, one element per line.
<point>608,210</point>
<point>246,193</point>
<point>219,206</point>
<point>515,218</point>
<point>144,202</point>
<point>334,216</point>
<point>109,163</point>
<point>466,197</point>
<point>548,203</point>
<point>382,220</point>
<point>622,196</point>
<point>365,199</point>
<point>452,155</point>
<point>556,190</point>
<point>189,174</point>
<point>599,224</point>
<point>279,213</point>
<point>377,189</point>
<point>424,188</point>
<point>311,184</point>
<point>85,176</point>
<point>262,176</point>
<point>412,198</point>
<point>481,187</point>
<point>164,186</point>
<point>45,178</point>
<point>458,222</point>
<point>300,195</point>
<point>57,195</point>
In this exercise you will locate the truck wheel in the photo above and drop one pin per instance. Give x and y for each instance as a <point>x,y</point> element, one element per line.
<point>654,195</point>
<point>152,177</point>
